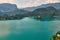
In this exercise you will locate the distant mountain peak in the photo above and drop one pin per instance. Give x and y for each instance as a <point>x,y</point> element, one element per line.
<point>6,7</point>
<point>55,5</point>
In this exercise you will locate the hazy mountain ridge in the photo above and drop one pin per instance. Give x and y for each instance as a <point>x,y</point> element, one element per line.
<point>48,12</point>
<point>10,9</point>
<point>6,7</point>
<point>55,5</point>
<point>45,11</point>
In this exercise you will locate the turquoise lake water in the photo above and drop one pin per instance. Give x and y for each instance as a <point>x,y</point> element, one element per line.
<point>28,29</point>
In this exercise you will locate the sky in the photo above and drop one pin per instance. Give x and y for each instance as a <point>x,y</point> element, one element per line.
<point>28,3</point>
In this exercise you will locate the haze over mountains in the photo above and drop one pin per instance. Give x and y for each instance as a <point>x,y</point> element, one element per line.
<point>10,11</point>
<point>56,5</point>
<point>6,7</point>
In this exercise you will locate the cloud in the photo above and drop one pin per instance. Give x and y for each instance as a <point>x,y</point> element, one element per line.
<point>28,3</point>
<point>6,1</point>
<point>51,1</point>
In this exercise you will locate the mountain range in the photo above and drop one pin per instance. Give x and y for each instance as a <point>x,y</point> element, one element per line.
<point>55,5</point>
<point>10,11</point>
<point>7,7</point>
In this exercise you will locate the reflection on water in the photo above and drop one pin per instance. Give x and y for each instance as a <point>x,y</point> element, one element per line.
<point>28,29</point>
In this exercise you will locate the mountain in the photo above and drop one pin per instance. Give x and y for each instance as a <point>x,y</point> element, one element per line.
<point>58,12</point>
<point>10,9</point>
<point>18,11</point>
<point>48,11</point>
<point>6,7</point>
<point>23,11</point>
<point>45,14</point>
<point>30,8</point>
<point>55,5</point>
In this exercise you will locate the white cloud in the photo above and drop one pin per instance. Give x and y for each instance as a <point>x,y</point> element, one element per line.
<point>31,3</point>
<point>51,1</point>
<point>6,1</point>
<point>28,3</point>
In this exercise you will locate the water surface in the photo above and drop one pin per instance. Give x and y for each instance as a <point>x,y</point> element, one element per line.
<point>28,29</point>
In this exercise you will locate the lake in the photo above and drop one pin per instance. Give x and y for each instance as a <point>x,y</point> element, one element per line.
<point>28,29</point>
